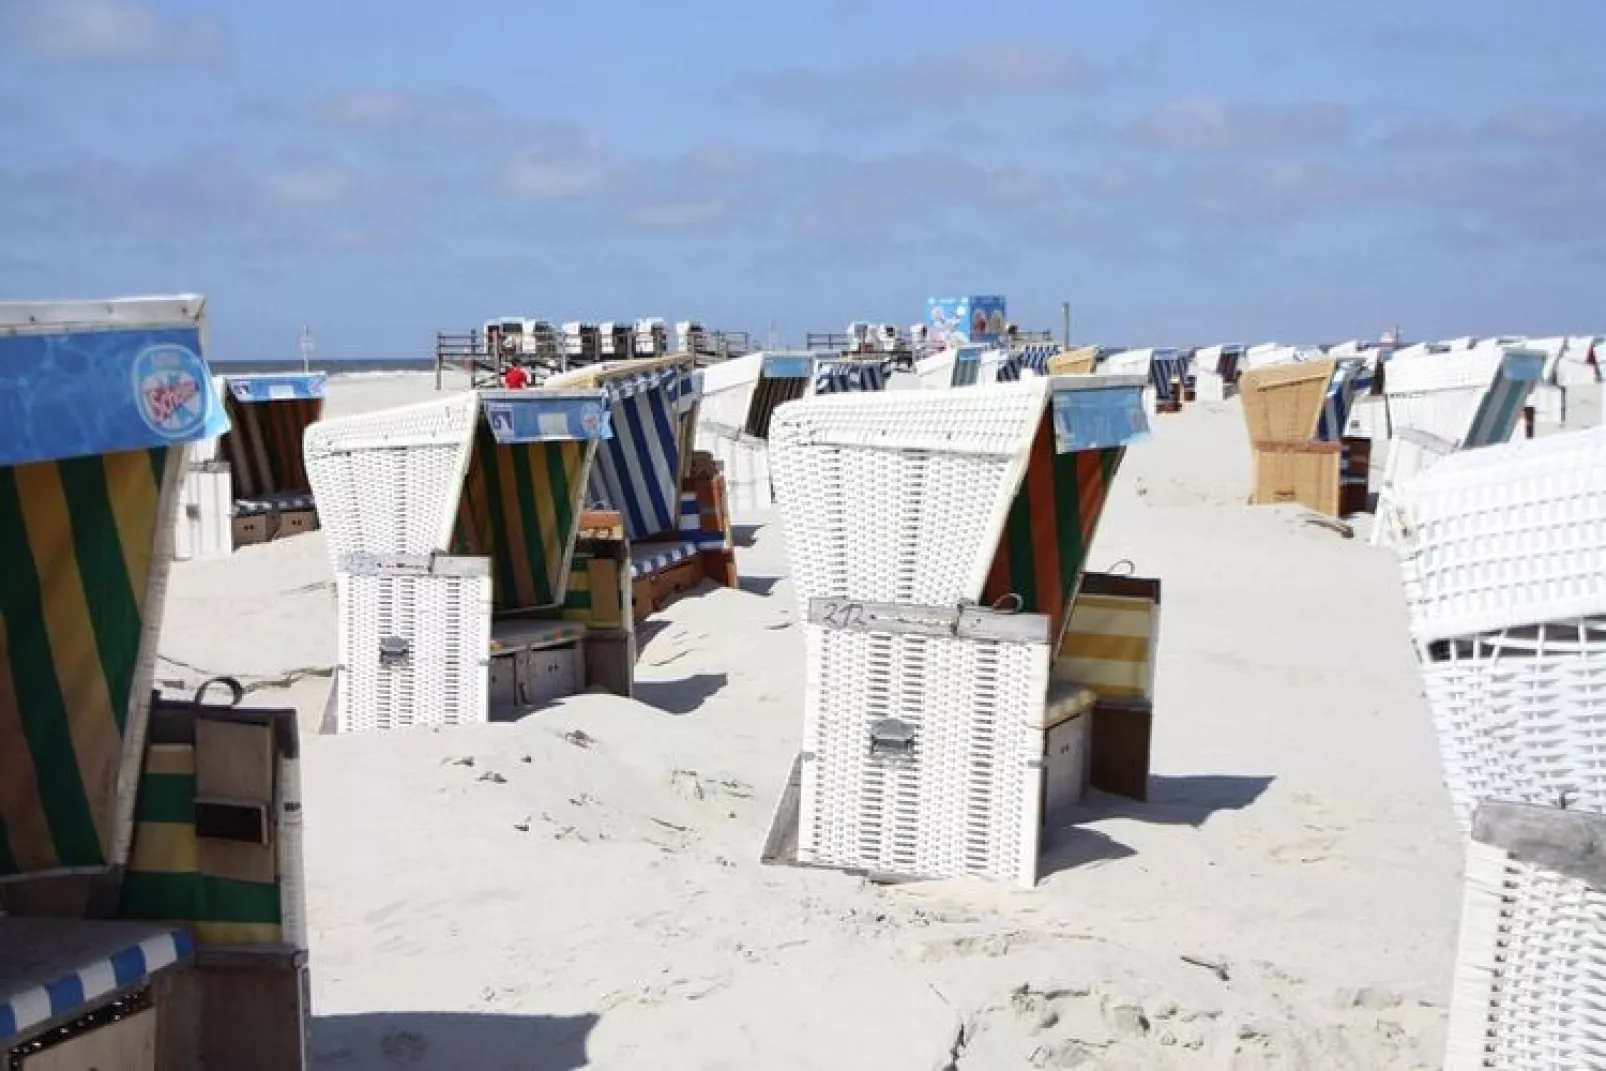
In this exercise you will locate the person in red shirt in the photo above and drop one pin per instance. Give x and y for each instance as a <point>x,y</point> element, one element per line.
<point>515,378</point>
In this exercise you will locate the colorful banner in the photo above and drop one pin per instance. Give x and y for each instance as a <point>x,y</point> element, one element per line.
<point>85,393</point>
<point>960,321</point>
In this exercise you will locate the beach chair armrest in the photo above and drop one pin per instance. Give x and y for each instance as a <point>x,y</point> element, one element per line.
<point>1570,843</point>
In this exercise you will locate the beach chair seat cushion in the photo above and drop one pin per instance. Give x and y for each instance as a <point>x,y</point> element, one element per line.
<point>257,506</point>
<point>649,558</point>
<point>1066,699</point>
<point>53,970</point>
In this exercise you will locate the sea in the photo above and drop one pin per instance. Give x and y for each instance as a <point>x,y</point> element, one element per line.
<point>333,366</point>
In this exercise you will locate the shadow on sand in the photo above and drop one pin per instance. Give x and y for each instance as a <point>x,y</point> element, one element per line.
<point>758,585</point>
<point>450,1040</point>
<point>681,696</point>
<point>1173,801</point>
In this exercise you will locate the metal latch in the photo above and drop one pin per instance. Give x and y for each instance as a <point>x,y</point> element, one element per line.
<point>394,651</point>
<point>892,738</point>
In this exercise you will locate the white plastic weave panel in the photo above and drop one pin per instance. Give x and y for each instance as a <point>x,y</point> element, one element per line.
<point>1410,374</point>
<point>1446,412</point>
<point>389,481</point>
<point>446,622</point>
<point>936,371</point>
<point>745,463</point>
<point>728,391</point>
<point>1505,536</point>
<point>1521,716</point>
<point>900,496</point>
<point>969,799</point>
<point>1530,986</point>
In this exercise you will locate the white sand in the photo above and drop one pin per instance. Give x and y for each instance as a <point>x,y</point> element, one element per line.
<point>503,897</point>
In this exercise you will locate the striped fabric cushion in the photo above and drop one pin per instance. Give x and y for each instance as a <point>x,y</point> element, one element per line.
<point>76,964</point>
<point>637,471</point>
<point>263,446</point>
<point>165,880</point>
<point>1050,526</point>
<point>77,539</point>
<point>1109,646</point>
<point>1338,401</point>
<point>519,507</point>
<point>836,377</point>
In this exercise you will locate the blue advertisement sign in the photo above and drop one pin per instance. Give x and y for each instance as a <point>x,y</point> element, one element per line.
<point>534,417</point>
<point>961,321</point>
<point>85,393</point>
<point>279,386</point>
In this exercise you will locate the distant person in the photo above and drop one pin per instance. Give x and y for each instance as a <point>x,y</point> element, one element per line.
<point>515,378</point>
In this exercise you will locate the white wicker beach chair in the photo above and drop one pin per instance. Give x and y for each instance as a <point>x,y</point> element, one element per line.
<point>437,516</point>
<point>1530,979</point>
<point>1442,403</point>
<point>1503,552</point>
<point>923,739</point>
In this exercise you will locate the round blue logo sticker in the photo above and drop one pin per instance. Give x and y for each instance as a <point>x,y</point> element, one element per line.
<point>591,418</point>
<point>171,391</point>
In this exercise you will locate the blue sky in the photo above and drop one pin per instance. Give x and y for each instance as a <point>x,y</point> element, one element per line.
<point>1182,171</point>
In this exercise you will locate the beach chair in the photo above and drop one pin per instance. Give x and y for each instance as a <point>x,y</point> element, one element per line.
<point>645,474</point>
<point>1441,404</point>
<point>1215,370</point>
<point>1032,357</point>
<point>453,528</point>
<point>961,366</point>
<point>937,540</point>
<point>851,372</point>
<point>1296,414</point>
<point>250,485</point>
<point>1503,559</point>
<point>160,837</point>
<point>740,398</point>
<point>1079,361</point>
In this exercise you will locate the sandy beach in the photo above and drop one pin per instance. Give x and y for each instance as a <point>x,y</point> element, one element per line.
<point>582,889</point>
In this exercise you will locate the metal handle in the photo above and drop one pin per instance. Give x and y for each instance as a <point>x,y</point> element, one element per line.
<point>236,691</point>
<point>393,650</point>
<point>892,738</point>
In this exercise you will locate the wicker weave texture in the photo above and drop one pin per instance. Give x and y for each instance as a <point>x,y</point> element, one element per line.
<point>900,496</point>
<point>1505,536</point>
<point>1521,716</point>
<point>967,800</point>
<point>388,481</point>
<point>1530,986</point>
<point>445,622</point>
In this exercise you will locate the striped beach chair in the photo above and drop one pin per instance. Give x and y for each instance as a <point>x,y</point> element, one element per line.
<point>453,528</point>
<point>268,492</point>
<point>644,471</point>
<point>910,515</point>
<point>1031,357</point>
<point>1167,369</point>
<point>839,375</point>
<point>106,784</point>
<point>639,469</point>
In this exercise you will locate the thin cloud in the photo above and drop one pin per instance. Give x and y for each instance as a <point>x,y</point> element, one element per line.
<point>112,30</point>
<point>1209,125</point>
<point>929,83</point>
